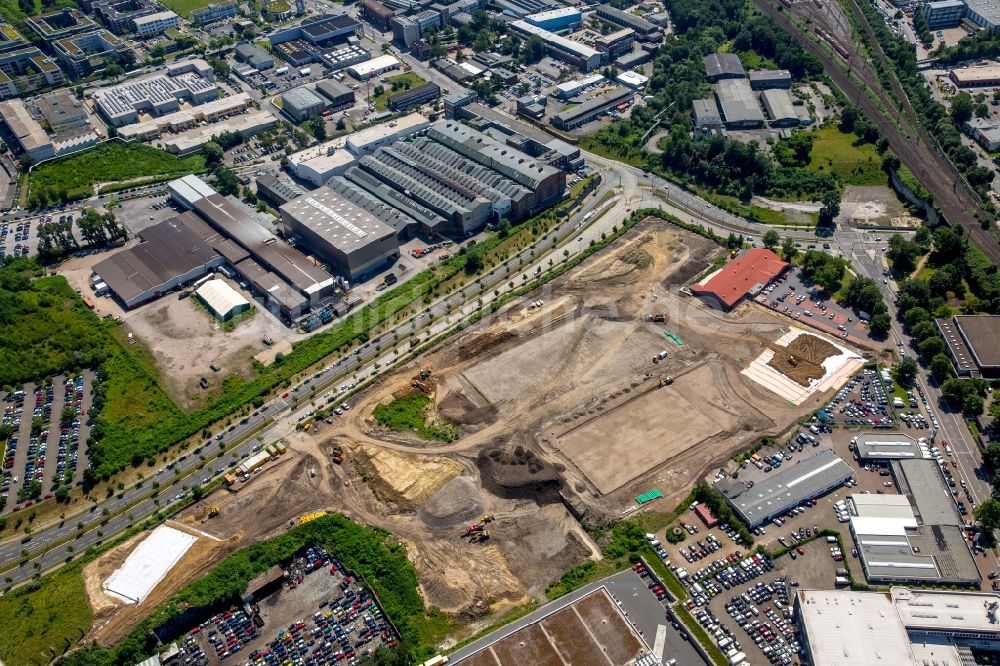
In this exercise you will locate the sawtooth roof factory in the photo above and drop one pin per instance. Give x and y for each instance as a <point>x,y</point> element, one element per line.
<point>786,488</point>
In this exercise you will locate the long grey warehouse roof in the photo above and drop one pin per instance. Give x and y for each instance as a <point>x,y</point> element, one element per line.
<point>301,98</point>
<point>484,149</point>
<point>169,249</point>
<point>344,225</point>
<point>887,446</point>
<point>922,481</point>
<point>365,182</point>
<point>723,64</point>
<point>778,103</point>
<point>738,101</point>
<point>333,89</point>
<point>613,96</point>
<point>788,487</point>
<point>286,261</point>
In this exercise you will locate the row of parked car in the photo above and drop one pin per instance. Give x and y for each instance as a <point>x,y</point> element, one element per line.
<point>774,635</point>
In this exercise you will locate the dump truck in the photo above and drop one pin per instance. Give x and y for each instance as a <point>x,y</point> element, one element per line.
<point>229,479</point>
<point>280,446</point>
<point>338,455</point>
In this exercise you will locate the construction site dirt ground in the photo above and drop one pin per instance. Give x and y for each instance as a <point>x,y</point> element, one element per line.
<point>553,402</point>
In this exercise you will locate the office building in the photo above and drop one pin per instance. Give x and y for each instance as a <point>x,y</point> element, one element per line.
<point>572,88</point>
<point>301,104</point>
<point>63,111</point>
<point>644,30</point>
<point>422,94</point>
<point>984,13</point>
<point>377,14</point>
<point>318,164</point>
<point>407,30</point>
<point>352,240</point>
<point>30,136</point>
<point>706,114</point>
<point>369,139</point>
<point>154,24</point>
<point>118,15</point>
<point>154,95</point>
<point>902,627</point>
<point>187,118</point>
<point>615,44</point>
<point>246,123</point>
<point>580,55</point>
<point>739,104</point>
<point>556,19</point>
<point>84,53</point>
<point>214,12</point>
<point>973,343</point>
<point>785,488</point>
<point>592,109</point>
<point>61,23</point>
<point>453,102</point>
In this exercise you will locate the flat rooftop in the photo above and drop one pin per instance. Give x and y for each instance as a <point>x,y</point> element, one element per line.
<point>790,485</point>
<point>887,446</point>
<point>982,335</point>
<point>347,227</point>
<point>960,352</point>
<point>847,627</point>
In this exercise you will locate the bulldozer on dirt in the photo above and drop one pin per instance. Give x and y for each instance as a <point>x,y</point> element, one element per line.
<point>480,537</point>
<point>419,381</point>
<point>666,381</point>
<point>488,518</point>
<point>472,530</point>
<point>213,511</point>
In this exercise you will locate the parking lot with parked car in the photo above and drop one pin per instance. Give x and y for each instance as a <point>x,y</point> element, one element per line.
<point>321,615</point>
<point>42,417</point>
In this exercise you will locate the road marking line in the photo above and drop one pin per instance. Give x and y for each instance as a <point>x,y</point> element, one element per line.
<point>661,640</point>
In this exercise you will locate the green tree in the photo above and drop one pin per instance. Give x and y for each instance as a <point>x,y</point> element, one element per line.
<point>988,513</point>
<point>771,239</point>
<point>831,207</point>
<point>226,182</point>
<point>931,347</point>
<point>788,249</point>
<point>972,405</point>
<point>906,372</point>
<point>961,108</point>
<point>213,153</point>
<point>991,457</point>
<point>941,367</point>
<point>317,127</point>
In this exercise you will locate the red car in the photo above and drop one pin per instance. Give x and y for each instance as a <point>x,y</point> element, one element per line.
<point>285,394</point>
<point>800,550</point>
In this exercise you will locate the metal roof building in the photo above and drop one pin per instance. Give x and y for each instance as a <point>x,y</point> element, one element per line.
<point>902,627</point>
<point>762,79</point>
<point>301,103</point>
<point>371,138</point>
<point>787,487</point>
<point>973,341</point>
<point>28,132</point>
<point>170,254</point>
<point>913,537</point>
<point>374,67</point>
<point>723,66</point>
<point>881,446</point>
<point>576,53</point>
<point>188,190</point>
<point>706,113</point>
<point>349,237</point>
<point>571,118</point>
<point>222,300</point>
<point>739,104</point>
<point>779,107</point>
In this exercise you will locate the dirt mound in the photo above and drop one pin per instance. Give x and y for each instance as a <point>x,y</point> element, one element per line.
<point>458,408</point>
<point>459,501</point>
<point>481,342</point>
<point>463,578</point>
<point>404,480</point>
<point>802,360</point>
<point>516,471</point>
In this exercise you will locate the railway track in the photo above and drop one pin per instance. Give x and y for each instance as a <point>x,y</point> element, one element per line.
<point>935,172</point>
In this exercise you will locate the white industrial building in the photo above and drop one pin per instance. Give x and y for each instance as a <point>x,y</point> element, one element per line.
<point>369,140</point>
<point>222,301</point>
<point>902,627</point>
<point>154,24</point>
<point>188,190</point>
<point>568,89</point>
<point>369,68</point>
<point>575,53</point>
<point>318,164</point>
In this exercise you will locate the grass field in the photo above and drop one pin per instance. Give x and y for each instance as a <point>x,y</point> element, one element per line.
<point>382,101</point>
<point>185,7</point>
<point>113,161</point>
<point>854,162</point>
<point>409,413</point>
<point>50,616</point>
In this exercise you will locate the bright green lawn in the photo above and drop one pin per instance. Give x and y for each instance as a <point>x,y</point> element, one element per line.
<point>48,619</point>
<point>409,413</point>
<point>382,101</point>
<point>185,7</point>
<point>113,161</point>
<point>856,163</point>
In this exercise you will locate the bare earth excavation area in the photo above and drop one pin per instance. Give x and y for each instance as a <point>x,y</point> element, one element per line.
<point>558,401</point>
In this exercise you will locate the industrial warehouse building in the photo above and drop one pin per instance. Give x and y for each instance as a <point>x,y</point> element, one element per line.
<point>785,488</point>
<point>975,77</point>
<point>577,54</point>
<point>720,66</point>
<point>406,99</point>
<point>644,30</point>
<point>895,547</point>
<point>886,446</point>
<point>973,343</point>
<point>301,104</point>
<point>592,109</point>
<point>763,79</point>
<point>355,242</point>
<point>339,96</point>
<point>744,276</point>
<point>222,301</point>
<point>739,104</point>
<point>902,627</point>
<point>168,255</point>
<point>779,107</point>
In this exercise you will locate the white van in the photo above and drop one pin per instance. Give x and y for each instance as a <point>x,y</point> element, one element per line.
<point>814,430</point>
<point>947,449</point>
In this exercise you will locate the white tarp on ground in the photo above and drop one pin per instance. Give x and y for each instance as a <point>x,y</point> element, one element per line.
<point>148,564</point>
<point>838,367</point>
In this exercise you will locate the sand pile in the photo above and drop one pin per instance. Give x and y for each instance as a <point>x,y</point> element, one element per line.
<point>459,501</point>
